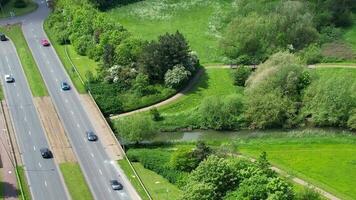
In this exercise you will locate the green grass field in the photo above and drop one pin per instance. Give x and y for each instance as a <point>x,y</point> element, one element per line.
<point>82,63</point>
<point>9,7</point>
<point>24,184</point>
<point>328,161</point>
<point>198,20</point>
<point>32,73</point>
<point>75,181</point>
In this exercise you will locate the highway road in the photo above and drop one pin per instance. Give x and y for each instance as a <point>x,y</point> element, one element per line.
<point>96,165</point>
<point>43,175</point>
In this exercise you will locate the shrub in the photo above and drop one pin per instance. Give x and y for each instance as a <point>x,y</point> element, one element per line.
<point>241,74</point>
<point>140,85</point>
<point>311,54</point>
<point>136,128</point>
<point>308,194</point>
<point>221,113</point>
<point>351,123</point>
<point>184,160</point>
<point>176,77</point>
<point>156,116</point>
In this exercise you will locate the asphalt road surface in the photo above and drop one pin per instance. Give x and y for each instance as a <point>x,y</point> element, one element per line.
<point>42,174</point>
<point>96,165</point>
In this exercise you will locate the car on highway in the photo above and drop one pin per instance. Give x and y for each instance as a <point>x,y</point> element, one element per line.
<point>9,78</point>
<point>3,37</point>
<point>44,42</point>
<point>91,136</point>
<point>46,153</point>
<point>65,86</point>
<point>116,185</point>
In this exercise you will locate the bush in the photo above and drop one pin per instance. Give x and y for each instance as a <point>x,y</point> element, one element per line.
<point>176,77</point>
<point>20,4</point>
<point>241,74</point>
<point>136,128</point>
<point>140,85</point>
<point>156,116</point>
<point>184,160</point>
<point>308,194</point>
<point>221,113</point>
<point>329,102</point>
<point>157,160</point>
<point>351,123</point>
<point>311,54</point>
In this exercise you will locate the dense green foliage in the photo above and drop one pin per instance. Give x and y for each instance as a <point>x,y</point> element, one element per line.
<point>241,74</point>
<point>136,128</point>
<point>131,71</point>
<point>257,29</point>
<point>274,92</point>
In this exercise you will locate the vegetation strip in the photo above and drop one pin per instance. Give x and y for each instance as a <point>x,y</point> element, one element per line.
<point>26,195</point>
<point>75,181</point>
<point>10,8</point>
<point>29,66</point>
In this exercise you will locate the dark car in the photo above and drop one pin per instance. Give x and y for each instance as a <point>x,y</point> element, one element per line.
<point>3,37</point>
<point>46,153</point>
<point>91,136</point>
<point>65,86</point>
<point>116,185</point>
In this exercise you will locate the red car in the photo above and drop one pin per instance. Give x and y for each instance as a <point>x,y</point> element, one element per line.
<point>44,42</point>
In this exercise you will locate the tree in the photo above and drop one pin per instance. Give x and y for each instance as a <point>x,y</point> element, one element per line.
<point>183,160</point>
<point>156,116</point>
<point>108,56</point>
<point>20,4</point>
<point>140,85</point>
<point>136,128</point>
<point>351,123</point>
<point>198,191</point>
<point>201,151</point>
<point>159,56</point>
<point>176,77</point>
<point>221,113</point>
<point>215,172</point>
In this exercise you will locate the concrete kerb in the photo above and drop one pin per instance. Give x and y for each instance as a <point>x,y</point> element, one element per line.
<point>107,124</point>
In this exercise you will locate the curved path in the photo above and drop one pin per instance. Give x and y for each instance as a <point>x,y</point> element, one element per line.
<point>97,167</point>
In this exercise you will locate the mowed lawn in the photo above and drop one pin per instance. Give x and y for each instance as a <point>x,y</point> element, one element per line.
<point>74,179</point>
<point>33,75</point>
<point>198,20</point>
<point>326,161</point>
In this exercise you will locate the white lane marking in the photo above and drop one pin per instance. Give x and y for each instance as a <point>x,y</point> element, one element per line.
<point>84,139</point>
<point>25,119</point>
<point>7,59</point>
<point>56,80</point>
<point>52,70</point>
<point>47,61</point>
<point>29,132</point>
<point>109,189</point>
<point>18,94</point>
<point>14,84</point>
<point>34,148</point>
<point>78,125</point>
<point>66,100</point>
<point>72,112</point>
<point>92,155</point>
<point>46,183</point>
<point>101,173</point>
<point>21,107</point>
<point>39,164</point>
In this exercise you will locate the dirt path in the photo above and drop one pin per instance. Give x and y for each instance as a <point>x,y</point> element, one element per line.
<point>54,130</point>
<point>297,180</point>
<point>7,163</point>
<point>167,101</point>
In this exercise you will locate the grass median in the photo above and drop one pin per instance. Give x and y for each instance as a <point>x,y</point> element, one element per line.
<point>75,181</point>
<point>33,75</point>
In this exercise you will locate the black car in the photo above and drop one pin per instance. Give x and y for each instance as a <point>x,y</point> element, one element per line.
<point>116,185</point>
<point>65,86</point>
<point>3,37</point>
<point>91,136</point>
<point>46,153</point>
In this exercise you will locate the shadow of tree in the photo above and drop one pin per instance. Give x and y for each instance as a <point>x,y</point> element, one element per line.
<point>8,190</point>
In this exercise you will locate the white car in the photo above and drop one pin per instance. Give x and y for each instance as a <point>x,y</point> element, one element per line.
<point>9,78</point>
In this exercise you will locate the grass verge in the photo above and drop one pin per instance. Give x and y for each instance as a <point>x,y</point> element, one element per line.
<point>1,93</point>
<point>24,184</point>
<point>133,179</point>
<point>33,75</point>
<point>75,181</point>
<point>9,7</point>
<point>158,187</point>
<point>81,62</point>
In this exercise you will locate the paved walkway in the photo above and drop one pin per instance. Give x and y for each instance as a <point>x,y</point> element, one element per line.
<point>8,176</point>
